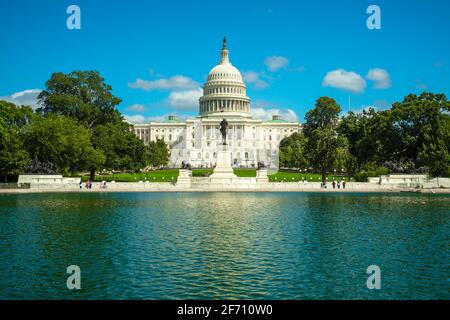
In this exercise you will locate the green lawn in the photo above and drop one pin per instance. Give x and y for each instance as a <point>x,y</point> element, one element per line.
<point>172,174</point>
<point>238,172</point>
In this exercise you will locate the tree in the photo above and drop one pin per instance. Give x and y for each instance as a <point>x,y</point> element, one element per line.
<point>422,123</point>
<point>157,153</point>
<point>12,115</point>
<point>370,137</point>
<point>13,156</point>
<point>123,150</point>
<point>293,151</point>
<point>82,95</point>
<point>344,159</point>
<point>60,141</point>
<point>320,130</point>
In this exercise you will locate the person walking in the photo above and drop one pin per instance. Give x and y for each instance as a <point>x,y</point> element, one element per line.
<point>343,184</point>
<point>334,184</point>
<point>81,184</point>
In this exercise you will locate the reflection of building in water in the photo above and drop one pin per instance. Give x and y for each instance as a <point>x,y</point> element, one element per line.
<point>224,96</point>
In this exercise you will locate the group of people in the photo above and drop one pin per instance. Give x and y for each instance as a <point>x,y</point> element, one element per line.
<point>335,184</point>
<point>88,184</point>
<point>338,184</point>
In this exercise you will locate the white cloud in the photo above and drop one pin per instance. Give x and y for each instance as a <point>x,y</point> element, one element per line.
<point>275,63</point>
<point>185,100</point>
<point>135,108</point>
<point>177,82</point>
<point>26,97</point>
<point>255,78</point>
<point>266,114</point>
<point>380,77</point>
<point>345,80</point>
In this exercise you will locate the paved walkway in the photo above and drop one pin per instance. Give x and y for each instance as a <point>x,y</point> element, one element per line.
<point>264,187</point>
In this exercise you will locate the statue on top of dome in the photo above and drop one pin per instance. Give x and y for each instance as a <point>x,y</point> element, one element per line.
<point>224,43</point>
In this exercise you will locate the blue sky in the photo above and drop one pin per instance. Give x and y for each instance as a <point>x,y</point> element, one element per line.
<point>290,52</point>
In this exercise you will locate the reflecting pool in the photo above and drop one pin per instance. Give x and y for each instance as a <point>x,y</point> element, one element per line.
<point>224,245</point>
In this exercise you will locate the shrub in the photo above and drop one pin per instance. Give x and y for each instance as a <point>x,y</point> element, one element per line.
<point>364,175</point>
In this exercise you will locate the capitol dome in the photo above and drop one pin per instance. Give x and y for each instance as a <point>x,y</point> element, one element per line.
<point>224,90</point>
<point>225,71</point>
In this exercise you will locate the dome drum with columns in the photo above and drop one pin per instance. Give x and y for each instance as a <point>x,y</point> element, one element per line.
<point>224,96</point>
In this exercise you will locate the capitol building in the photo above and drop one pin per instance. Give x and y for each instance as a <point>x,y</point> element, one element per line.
<point>196,140</point>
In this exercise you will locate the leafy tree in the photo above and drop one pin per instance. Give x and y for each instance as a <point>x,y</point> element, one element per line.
<point>370,136</point>
<point>344,159</point>
<point>320,130</point>
<point>82,95</point>
<point>59,140</point>
<point>12,115</point>
<point>13,156</point>
<point>123,150</point>
<point>293,151</point>
<point>422,123</point>
<point>158,153</point>
<point>413,134</point>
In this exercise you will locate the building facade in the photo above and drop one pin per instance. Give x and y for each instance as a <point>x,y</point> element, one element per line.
<point>224,97</point>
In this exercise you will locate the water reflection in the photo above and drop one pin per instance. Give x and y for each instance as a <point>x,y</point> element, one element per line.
<point>223,245</point>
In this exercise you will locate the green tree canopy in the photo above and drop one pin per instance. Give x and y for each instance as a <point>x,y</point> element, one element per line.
<point>320,131</point>
<point>61,141</point>
<point>13,156</point>
<point>157,153</point>
<point>422,123</point>
<point>123,150</point>
<point>414,133</point>
<point>12,115</point>
<point>370,137</point>
<point>293,152</point>
<point>82,95</point>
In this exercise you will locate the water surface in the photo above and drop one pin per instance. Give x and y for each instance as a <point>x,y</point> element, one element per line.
<point>224,245</point>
